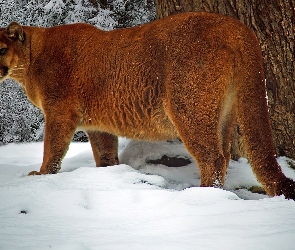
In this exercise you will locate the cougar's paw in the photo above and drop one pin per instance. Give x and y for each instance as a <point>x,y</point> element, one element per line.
<point>287,188</point>
<point>106,161</point>
<point>34,173</point>
<point>53,171</point>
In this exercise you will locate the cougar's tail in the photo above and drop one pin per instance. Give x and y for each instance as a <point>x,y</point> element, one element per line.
<point>254,121</point>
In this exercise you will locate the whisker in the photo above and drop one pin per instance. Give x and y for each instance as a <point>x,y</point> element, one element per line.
<point>15,70</point>
<point>18,67</point>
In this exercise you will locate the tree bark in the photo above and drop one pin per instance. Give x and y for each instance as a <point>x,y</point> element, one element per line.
<point>273,21</point>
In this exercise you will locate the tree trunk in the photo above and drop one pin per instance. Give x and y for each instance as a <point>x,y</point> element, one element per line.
<point>273,21</point>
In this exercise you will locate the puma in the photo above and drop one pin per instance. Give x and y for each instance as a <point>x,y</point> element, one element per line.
<point>189,76</point>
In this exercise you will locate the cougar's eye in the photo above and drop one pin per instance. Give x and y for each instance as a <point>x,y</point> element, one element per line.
<point>3,51</point>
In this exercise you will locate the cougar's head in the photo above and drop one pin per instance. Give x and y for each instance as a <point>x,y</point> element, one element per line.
<point>12,46</point>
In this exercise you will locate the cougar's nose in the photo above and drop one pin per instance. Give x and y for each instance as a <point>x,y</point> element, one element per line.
<point>3,71</point>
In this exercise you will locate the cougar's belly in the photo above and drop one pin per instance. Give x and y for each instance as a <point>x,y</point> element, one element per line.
<point>152,125</point>
<point>154,131</point>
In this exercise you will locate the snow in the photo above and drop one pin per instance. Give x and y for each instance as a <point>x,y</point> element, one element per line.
<point>54,4</point>
<point>135,205</point>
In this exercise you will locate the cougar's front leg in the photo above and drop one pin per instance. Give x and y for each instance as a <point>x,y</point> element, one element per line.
<point>104,147</point>
<point>59,131</point>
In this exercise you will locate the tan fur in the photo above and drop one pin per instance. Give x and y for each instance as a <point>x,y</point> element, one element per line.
<point>186,76</point>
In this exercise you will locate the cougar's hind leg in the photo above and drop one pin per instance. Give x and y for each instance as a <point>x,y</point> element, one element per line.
<point>204,125</point>
<point>203,143</point>
<point>104,148</point>
<point>226,122</point>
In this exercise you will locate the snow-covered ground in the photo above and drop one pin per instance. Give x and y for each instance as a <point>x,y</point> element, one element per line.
<point>139,207</point>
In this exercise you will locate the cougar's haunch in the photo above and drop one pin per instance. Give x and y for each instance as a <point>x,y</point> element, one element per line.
<point>189,75</point>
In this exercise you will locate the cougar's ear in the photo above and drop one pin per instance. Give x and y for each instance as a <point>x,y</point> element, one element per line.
<point>15,31</point>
